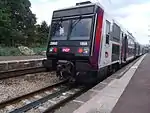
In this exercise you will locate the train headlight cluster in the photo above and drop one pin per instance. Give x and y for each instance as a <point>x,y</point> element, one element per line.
<point>80,50</point>
<point>84,50</point>
<point>53,49</point>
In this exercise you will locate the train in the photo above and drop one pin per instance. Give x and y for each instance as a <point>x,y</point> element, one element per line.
<point>85,43</point>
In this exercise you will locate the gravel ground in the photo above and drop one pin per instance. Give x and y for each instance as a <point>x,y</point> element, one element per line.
<point>13,87</point>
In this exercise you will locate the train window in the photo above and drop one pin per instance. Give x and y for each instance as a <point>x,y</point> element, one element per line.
<point>74,11</point>
<point>115,52</point>
<point>107,31</point>
<point>116,32</point>
<point>81,29</point>
<point>131,42</point>
<point>130,52</point>
<point>59,30</point>
<point>122,34</point>
<point>107,38</point>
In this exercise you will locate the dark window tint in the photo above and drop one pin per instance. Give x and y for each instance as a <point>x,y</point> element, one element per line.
<point>130,52</point>
<point>115,52</point>
<point>116,32</point>
<point>131,42</point>
<point>107,38</point>
<point>59,30</point>
<point>81,29</point>
<point>107,31</point>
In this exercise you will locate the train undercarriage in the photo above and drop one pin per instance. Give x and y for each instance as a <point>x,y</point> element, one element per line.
<point>80,72</point>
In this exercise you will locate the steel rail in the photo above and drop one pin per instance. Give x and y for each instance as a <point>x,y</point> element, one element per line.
<point>17,99</point>
<point>64,101</point>
<point>39,102</point>
<point>20,72</point>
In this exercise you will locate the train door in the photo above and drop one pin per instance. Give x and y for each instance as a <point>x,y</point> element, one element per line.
<point>106,45</point>
<point>125,48</point>
<point>107,53</point>
<point>116,39</point>
<point>135,49</point>
<point>122,46</point>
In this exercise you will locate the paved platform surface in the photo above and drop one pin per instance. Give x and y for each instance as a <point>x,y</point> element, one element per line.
<point>8,58</point>
<point>136,97</point>
<point>104,100</point>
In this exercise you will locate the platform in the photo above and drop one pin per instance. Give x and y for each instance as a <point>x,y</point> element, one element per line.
<point>10,63</point>
<point>129,94</point>
<point>123,92</point>
<point>136,97</point>
<point>10,58</point>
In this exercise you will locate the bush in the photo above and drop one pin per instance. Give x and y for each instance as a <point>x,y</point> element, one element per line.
<point>9,51</point>
<point>13,51</point>
<point>38,50</point>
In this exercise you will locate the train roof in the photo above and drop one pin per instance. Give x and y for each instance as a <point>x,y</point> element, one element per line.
<point>74,7</point>
<point>81,4</point>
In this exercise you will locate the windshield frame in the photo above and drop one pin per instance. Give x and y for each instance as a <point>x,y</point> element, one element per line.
<point>69,26</point>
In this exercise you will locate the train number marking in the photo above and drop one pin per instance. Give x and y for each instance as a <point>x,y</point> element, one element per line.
<point>83,43</point>
<point>53,43</point>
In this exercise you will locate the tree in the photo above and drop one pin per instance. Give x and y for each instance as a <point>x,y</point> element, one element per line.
<point>20,20</point>
<point>17,24</point>
<point>5,22</point>
<point>43,31</point>
<point>22,17</point>
<point>44,27</point>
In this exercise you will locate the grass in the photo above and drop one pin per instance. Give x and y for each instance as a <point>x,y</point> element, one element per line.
<point>9,51</point>
<point>12,51</point>
<point>38,50</point>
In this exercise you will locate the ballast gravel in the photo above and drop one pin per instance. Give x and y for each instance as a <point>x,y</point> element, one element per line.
<point>17,86</point>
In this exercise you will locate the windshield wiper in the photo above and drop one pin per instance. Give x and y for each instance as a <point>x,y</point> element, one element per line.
<point>73,24</point>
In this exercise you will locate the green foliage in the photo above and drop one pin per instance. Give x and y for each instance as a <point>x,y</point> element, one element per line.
<point>7,51</point>
<point>38,50</point>
<point>18,25</point>
<point>13,51</point>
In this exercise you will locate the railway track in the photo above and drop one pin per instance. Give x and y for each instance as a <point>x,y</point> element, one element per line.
<point>36,100</point>
<point>44,100</point>
<point>15,73</point>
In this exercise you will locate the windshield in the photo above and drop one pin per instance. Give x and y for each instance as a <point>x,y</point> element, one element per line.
<point>59,30</point>
<point>79,29</point>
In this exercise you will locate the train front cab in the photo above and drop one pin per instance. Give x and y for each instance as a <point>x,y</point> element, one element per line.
<point>75,41</point>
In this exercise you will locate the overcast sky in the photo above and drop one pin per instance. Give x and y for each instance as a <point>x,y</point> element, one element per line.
<point>132,14</point>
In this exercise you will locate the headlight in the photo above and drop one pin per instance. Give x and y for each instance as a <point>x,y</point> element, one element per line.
<point>53,49</point>
<point>84,50</point>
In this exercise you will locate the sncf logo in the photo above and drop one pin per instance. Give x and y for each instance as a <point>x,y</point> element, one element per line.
<point>66,49</point>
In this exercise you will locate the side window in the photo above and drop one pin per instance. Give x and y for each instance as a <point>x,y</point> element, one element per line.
<point>122,35</point>
<point>107,31</point>
<point>116,31</point>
